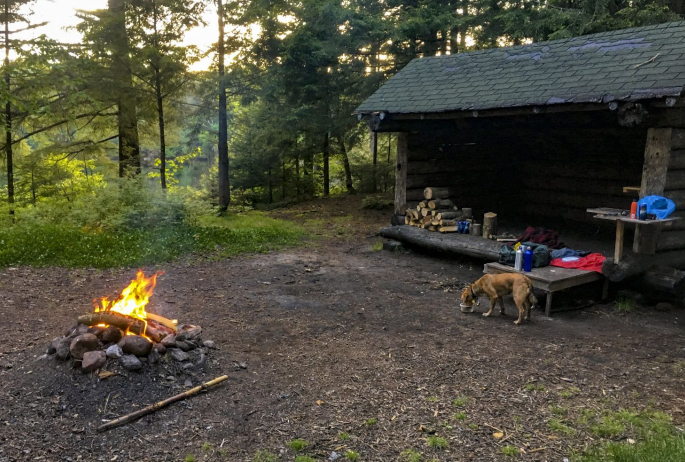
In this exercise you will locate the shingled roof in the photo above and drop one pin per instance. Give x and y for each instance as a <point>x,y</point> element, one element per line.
<point>623,65</point>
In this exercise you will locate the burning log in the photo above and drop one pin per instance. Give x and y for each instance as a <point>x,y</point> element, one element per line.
<point>126,323</point>
<point>150,409</point>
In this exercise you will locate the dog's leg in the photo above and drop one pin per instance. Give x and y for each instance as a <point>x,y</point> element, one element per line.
<point>519,305</point>
<point>501,305</point>
<point>492,307</point>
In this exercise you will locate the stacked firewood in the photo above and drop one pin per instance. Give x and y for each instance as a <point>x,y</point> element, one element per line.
<point>436,212</point>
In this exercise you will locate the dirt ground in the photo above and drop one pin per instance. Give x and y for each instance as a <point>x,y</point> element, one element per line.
<point>337,338</point>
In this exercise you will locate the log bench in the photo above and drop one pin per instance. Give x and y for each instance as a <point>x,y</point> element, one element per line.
<point>552,279</point>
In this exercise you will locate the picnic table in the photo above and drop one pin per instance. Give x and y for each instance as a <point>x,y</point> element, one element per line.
<point>552,279</point>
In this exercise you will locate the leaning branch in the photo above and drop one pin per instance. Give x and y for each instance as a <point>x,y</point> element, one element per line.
<point>62,122</point>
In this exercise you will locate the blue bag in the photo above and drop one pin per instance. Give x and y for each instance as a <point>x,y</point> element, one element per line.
<point>659,206</point>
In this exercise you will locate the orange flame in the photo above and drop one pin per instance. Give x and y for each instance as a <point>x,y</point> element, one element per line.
<point>133,298</point>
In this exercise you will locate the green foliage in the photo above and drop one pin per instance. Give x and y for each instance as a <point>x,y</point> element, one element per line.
<point>206,446</point>
<point>298,445</point>
<point>534,387</point>
<point>304,459</point>
<point>625,305</point>
<point>377,246</point>
<point>377,203</point>
<point>558,426</point>
<point>371,422</point>
<point>659,448</point>
<point>460,416</point>
<point>190,458</point>
<point>509,450</point>
<point>344,436</point>
<point>460,401</point>
<point>264,456</point>
<point>436,442</point>
<point>432,399</point>
<point>352,455</point>
<point>410,455</point>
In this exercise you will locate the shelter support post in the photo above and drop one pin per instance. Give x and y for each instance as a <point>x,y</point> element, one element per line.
<point>401,173</point>
<point>654,173</point>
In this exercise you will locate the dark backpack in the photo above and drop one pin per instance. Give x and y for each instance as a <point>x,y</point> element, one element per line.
<point>541,254</point>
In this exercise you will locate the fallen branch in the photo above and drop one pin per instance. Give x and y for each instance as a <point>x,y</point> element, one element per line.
<point>650,60</point>
<point>155,407</point>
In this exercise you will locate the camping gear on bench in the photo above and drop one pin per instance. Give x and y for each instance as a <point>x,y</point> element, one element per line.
<point>659,206</point>
<point>592,262</point>
<point>541,255</point>
<point>544,236</point>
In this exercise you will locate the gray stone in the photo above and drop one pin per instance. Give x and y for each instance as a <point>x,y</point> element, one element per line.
<point>114,351</point>
<point>93,360</point>
<point>111,335</point>
<point>62,349</point>
<point>189,333</point>
<point>333,457</point>
<point>179,355</point>
<point>188,366</point>
<point>154,356</point>
<point>131,363</point>
<point>161,349</point>
<point>188,383</point>
<point>663,306</point>
<point>135,345</point>
<point>202,360</point>
<point>209,344</point>
<point>183,345</point>
<point>169,341</point>
<point>82,344</point>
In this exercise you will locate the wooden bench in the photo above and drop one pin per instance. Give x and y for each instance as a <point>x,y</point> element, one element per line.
<point>552,279</point>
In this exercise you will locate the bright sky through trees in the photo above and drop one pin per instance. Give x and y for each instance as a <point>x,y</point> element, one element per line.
<point>61,16</point>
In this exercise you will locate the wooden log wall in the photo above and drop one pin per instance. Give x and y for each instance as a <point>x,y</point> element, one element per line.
<point>544,170</point>
<point>672,238</point>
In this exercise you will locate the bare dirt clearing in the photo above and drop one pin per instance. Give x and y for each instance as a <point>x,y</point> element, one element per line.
<point>336,338</point>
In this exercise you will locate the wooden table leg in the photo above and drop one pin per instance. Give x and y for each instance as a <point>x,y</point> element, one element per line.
<point>618,249</point>
<point>548,305</point>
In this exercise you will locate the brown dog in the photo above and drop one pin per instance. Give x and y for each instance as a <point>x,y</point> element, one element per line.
<point>496,286</point>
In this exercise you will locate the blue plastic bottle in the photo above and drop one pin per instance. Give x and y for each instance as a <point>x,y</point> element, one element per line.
<point>528,260</point>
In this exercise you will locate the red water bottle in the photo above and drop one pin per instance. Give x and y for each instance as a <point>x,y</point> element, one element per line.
<point>633,210</point>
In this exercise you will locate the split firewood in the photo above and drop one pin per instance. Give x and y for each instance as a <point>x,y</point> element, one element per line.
<point>448,215</point>
<point>439,203</point>
<point>447,223</point>
<point>426,220</point>
<point>448,229</point>
<point>423,204</point>
<point>407,220</point>
<point>161,404</point>
<point>425,212</point>
<point>435,222</point>
<point>432,228</point>
<point>489,224</point>
<point>436,193</point>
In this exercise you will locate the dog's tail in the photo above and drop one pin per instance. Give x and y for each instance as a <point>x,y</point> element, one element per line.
<point>531,297</point>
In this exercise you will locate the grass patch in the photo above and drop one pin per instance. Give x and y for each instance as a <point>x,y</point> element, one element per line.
<point>206,446</point>
<point>377,246</point>
<point>344,436</point>
<point>190,458</point>
<point>410,455</point>
<point>511,451</point>
<point>60,245</point>
<point>661,448</point>
<point>460,401</point>
<point>569,392</point>
<point>436,442</point>
<point>371,422</point>
<point>625,305</point>
<point>432,399</point>
<point>533,387</point>
<point>473,426</point>
<point>298,445</point>
<point>264,456</point>
<point>304,459</point>
<point>558,426</point>
<point>460,416</point>
<point>351,455</point>
<point>608,426</point>
<point>558,410</point>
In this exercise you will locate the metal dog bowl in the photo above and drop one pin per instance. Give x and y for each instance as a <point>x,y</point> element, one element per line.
<point>466,308</point>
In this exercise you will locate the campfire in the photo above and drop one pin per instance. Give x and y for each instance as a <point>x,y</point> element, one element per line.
<point>122,330</point>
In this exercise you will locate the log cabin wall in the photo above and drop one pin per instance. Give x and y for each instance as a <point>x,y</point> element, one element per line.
<point>671,240</point>
<point>543,166</point>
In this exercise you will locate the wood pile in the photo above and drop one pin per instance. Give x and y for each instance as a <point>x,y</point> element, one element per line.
<point>436,212</point>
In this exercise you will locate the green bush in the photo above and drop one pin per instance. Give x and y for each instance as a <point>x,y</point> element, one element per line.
<point>377,203</point>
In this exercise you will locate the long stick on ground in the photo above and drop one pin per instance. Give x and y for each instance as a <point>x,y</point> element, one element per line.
<point>154,407</point>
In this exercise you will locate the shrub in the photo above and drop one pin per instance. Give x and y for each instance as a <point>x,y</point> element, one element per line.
<point>377,203</point>
<point>298,445</point>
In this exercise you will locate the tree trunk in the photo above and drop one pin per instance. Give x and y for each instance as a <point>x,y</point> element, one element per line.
<point>33,188</point>
<point>373,146</point>
<point>326,166</point>
<point>8,116</point>
<point>271,188</point>
<point>129,145</point>
<point>348,171</point>
<point>283,179</point>
<point>466,244</point>
<point>297,175</point>
<point>224,184</point>
<point>389,146</point>
<point>160,106</point>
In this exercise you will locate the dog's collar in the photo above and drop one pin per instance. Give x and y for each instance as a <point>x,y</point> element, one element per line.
<point>473,294</point>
